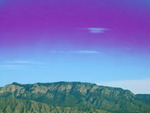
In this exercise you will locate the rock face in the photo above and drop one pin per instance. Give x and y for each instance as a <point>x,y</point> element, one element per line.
<point>76,94</point>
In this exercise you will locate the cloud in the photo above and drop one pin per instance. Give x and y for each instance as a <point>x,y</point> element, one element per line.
<point>11,67</point>
<point>136,86</point>
<point>84,52</point>
<point>97,30</point>
<point>77,52</point>
<point>22,62</point>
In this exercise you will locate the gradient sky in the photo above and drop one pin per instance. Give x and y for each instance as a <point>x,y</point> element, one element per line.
<point>98,41</point>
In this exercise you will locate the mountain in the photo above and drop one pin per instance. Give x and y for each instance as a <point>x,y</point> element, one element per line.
<point>10,105</point>
<point>144,98</point>
<point>75,96</point>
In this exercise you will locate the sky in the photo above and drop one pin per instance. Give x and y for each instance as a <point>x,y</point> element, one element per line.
<point>106,42</point>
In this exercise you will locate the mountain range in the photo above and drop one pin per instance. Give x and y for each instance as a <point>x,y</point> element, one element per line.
<point>70,97</point>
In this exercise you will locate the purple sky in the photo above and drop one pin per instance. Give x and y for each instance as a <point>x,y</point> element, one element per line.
<point>109,38</point>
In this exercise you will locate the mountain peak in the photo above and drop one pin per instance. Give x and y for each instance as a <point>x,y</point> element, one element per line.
<point>16,83</point>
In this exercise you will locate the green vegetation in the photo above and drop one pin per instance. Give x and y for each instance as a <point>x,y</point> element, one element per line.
<point>71,97</point>
<point>144,98</point>
<point>9,105</point>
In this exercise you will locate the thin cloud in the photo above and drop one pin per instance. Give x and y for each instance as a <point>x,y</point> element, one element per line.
<point>77,52</point>
<point>84,52</point>
<point>97,30</point>
<point>136,86</point>
<point>11,67</point>
<point>22,62</point>
<point>20,65</point>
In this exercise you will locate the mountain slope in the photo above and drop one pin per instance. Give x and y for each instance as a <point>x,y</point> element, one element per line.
<point>145,98</point>
<point>76,94</point>
<point>9,105</point>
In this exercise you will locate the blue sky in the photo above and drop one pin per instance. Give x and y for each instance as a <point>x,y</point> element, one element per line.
<point>98,41</point>
<point>85,66</point>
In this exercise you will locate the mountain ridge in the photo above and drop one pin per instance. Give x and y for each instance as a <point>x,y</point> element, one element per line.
<point>78,94</point>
